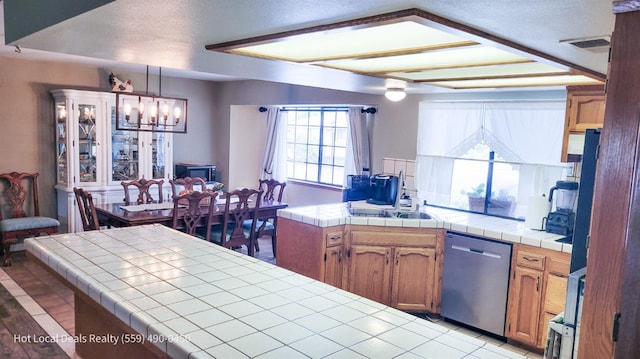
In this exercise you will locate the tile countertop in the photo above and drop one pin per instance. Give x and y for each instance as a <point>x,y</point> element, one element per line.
<point>217,303</point>
<point>502,229</point>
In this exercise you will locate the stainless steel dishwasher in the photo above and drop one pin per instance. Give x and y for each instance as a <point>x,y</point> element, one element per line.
<point>475,281</point>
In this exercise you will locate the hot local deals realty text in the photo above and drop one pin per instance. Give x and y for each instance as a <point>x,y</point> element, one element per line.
<point>82,338</point>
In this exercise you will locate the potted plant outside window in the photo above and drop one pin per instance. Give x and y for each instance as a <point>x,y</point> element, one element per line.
<point>501,204</point>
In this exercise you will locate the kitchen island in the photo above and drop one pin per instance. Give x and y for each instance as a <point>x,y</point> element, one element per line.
<point>151,291</point>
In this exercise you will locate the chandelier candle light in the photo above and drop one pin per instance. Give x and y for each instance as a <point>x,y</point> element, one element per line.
<point>150,113</point>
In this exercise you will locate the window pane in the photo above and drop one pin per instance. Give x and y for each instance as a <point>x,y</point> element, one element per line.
<point>338,175</point>
<point>313,154</point>
<point>504,189</point>
<point>327,174</point>
<point>328,136</point>
<point>315,118</point>
<point>327,155</point>
<point>312,173</point>
<point>314,135</point>
<point>340,155</point>
<point>341,137</point>
<point>301,134</point>
<point>342,119</point>
<point>291,133</point>
<point>468,185</point>
<point>300,170</point>
<point>302,118</point>
<point>300,154</point>
<point>329,119</point>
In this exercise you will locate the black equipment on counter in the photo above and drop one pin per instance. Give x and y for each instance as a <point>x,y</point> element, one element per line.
<point>378,189</point>
<point>358,188</point>
<point>384,190</point>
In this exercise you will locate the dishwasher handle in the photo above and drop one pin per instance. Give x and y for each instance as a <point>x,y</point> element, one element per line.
<point>476,251</point>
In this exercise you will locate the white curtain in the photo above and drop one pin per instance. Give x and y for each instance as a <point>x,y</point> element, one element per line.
<point>357,151</point>
<point>274,165</point>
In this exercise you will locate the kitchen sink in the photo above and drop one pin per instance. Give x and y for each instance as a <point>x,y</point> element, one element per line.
<point>388,213</point>
<point>408,214</point>
<point>369,212</point>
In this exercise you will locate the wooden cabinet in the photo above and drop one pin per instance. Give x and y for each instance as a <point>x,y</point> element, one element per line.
<point>585,109</point>
<point>334,256</point>
<point>537,292</point>
<point>396,266</point>
<point>312,251</point>
<point>414,279</point>
<point>92,154</point>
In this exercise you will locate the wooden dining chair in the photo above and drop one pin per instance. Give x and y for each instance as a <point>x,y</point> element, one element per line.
<point>87,210</point>
<point>18,224</point>
<point>179,185</point>
<point>195,216</point>
<point>273,191</point>
<point>240,205</point>
<point>143,186</point>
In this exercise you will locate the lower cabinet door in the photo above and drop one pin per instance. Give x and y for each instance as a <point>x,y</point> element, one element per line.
<point>333,266</point>
<point>524,305</point>
<point>412,283</point>
<point>369,272</point>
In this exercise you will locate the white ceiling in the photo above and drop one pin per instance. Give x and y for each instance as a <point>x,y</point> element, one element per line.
<point>131,34</point>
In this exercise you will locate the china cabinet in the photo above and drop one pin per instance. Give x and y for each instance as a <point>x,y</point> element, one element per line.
<point>94,155</point>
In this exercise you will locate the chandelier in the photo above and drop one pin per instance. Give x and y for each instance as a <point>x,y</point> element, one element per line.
<point>151,113</point>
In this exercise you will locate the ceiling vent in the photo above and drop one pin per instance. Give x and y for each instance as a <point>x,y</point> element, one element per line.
<point>592,44</point>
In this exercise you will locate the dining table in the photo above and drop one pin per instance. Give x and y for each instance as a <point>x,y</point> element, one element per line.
<point>120,214</point>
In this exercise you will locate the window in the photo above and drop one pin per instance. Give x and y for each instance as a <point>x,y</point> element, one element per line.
<point>481,171</point>
<point>488,157</point>
<point>316,144</point>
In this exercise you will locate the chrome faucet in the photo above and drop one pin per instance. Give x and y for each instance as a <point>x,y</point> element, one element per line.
<point>401,190</point>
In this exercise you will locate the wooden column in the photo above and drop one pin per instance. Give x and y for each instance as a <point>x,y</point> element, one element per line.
<point>613,259</point>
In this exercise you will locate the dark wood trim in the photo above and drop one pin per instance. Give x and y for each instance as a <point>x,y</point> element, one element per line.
<point>611,284</point>
<point>413,14</point>
<point>494,77</point>
<point>622,106</point>
<point>622,6</point>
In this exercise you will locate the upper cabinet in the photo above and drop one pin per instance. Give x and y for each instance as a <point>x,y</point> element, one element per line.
<point>92,153</point>
<point>585,109</point>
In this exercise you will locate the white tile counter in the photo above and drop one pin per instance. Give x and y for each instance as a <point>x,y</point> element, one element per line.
<point>471,223</point>
<point>216,303</point>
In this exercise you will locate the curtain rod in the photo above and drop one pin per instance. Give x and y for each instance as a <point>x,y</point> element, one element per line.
<point>371,110</point>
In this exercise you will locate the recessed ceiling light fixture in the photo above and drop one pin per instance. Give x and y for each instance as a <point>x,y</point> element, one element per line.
<point>418,47</point>
<point>395,94</point>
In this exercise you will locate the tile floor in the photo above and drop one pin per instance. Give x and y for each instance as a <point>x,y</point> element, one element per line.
<point>51,305</point>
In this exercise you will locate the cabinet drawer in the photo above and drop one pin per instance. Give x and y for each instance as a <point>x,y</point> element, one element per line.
<point>558,266</point>
<point>334,238</point>
<point>530,260</point>
<point>393,238</point>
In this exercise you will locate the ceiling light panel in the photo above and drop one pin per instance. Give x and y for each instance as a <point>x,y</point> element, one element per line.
<point>462,57</point>
<point>480,72</point>
<point>563,80</point>
<point>405,36</point>
<point>415,46</point>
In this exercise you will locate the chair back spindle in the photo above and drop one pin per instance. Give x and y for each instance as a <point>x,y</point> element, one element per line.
<point>144,194</point>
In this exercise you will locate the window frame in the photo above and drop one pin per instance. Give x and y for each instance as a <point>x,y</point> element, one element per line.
<point>319,163</point>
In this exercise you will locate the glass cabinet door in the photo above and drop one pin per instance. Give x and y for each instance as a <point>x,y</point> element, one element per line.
<point>159,148</point>
<point>87,143</point>
<point>125,152</point>
<point>62,156</point>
